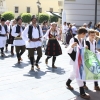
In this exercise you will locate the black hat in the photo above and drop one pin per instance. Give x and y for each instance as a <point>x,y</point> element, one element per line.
<point>3,19</point>
<point>18,18</point>
<point>34,17</point>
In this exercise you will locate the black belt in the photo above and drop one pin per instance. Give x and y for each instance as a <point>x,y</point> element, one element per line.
<point>17,38</point>
<point>2,35</point>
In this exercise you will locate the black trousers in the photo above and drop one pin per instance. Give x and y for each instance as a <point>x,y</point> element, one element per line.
<point>2,50</point>
<point>53,59</point>
<point>31,54</point>
<point>19,51</point>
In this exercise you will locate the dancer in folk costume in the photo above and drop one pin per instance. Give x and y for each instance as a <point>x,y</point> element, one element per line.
<point>18,41</point>
<point>8,25</point>
<point>69,35</point>
<point>11,38</point>
<point>90,42</point>
<point>44,29</point>
<point>97,38</point>
<point>53,48</point>
<point>3,35</point>
<point>76,41</point>
<point>32,35</point>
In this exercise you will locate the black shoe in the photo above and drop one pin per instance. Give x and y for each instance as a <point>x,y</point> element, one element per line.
<point>85,96</point>
<point>18,61</point>
<point>70,88</point>
<point>32,68</point>
<point>85,87</point>
<point>97,88</point>
<point>46,61</point>
<point>37,66</point>
<point>12,53</point>
<point>6,50</point>
<point>53,66</point>
<point>68,85</point>
<point>2,55</point>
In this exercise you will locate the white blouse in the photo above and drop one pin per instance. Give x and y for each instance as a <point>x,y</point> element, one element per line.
<point>46,36</point>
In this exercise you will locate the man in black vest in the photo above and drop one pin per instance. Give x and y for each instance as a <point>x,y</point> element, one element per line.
<point>18,41</point>
<point>3,35</point>
<point>32,36</point>
<point>74,42</point>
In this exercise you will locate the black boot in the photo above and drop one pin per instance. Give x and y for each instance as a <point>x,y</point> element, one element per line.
<point>82,93</point>
<point>6,48</point>
<point>18,57</point>
<point>32,63</point>
<point>53,62</point>
<point>85,87</point>
<point>12,50</point>
<point>68,84</point>
<point>96,87</point>
<point>46,60</point>
<point>37,61</point>
<point>2,52</point>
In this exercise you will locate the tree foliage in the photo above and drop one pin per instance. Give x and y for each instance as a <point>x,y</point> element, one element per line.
<point>53,19</point>
<point>26,17</point>
<point>43,17</point>
<point>8,15</point>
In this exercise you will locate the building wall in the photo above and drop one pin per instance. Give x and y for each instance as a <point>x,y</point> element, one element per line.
<point>2,6</point>
<point>81,11</point>
<point>23,4</point>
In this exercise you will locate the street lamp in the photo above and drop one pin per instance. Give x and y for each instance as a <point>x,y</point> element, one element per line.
<point>38,5</point>
<point>95,12</point>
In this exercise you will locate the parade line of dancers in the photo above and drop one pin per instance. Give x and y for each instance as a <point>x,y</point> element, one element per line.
<point>33,36</point>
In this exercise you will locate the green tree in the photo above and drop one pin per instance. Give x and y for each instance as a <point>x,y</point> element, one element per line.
<point>26,17</point>
<point>53,19</point>
<point>43,17</point>
<point>8,15</point>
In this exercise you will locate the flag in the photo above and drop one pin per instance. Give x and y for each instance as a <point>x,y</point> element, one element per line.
<point>87,65</point>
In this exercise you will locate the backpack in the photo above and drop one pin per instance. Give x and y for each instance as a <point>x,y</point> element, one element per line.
<point>73,54</point>
<point>30,31</point>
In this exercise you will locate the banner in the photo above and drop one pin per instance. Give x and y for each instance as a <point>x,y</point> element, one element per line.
<point>87,65</point>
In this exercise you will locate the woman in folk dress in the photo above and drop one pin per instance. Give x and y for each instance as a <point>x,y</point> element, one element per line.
<point>53,48</point>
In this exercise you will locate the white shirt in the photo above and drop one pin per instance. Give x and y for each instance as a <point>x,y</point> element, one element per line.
<point>92,45</point>
<point>74,30</point>
<point>65,29</point>
<point>14,34</point>
<point>35,35</point>
<point>46,36</point>
<point>3,32</point>
<point>70,49</point>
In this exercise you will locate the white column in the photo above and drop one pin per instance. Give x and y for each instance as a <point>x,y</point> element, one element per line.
<point>63,13</point>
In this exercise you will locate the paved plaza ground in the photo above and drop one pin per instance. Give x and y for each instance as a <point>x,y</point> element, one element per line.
<point>17,82</point>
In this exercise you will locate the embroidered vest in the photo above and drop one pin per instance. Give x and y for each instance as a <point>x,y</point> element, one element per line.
<point>30,31</point>
<point>73,54</point>
<point>18,29</point>
<point>88,44</point>
<point>5,27</point>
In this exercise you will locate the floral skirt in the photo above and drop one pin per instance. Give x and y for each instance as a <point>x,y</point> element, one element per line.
<point>53,48</point>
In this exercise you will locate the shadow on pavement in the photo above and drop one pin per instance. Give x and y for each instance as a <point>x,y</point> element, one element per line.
<point>6,56</point>
<point>94,95</point>
<point>59,70</point>
<point>38,74</point>
<point>74,92</point>
<point>21,65</point>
